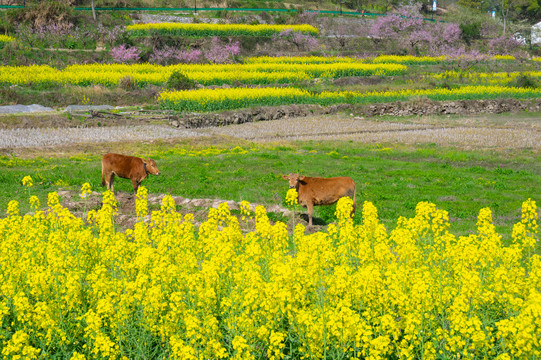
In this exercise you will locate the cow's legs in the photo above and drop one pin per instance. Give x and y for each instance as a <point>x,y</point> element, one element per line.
<point>310,208</point>
<point>135,184</point>
<point>110,179</point>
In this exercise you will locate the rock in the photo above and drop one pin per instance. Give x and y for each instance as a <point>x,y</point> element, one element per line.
<point>71,108</point>
<point>12,109</point>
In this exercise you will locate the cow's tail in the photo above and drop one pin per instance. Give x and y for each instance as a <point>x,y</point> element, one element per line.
<point>354,195</point>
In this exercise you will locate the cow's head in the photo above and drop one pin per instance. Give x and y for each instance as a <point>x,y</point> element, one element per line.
<point>293,179</point>
<point>151,167</point>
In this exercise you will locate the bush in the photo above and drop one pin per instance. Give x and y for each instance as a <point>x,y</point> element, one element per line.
<point>179,81</point>
<point>44,13</point>
<point>127,83</point>
<point>526,81</point>
<point>471,31</point>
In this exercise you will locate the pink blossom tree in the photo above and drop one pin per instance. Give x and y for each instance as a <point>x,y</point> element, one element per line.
<point>221,52</point>
<point>407,26</point>
<point>124,54</point>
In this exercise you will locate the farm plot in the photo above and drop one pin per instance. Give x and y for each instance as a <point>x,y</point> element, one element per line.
<point>405,77</point>
<point>501,132</point>
<point>204,30</point>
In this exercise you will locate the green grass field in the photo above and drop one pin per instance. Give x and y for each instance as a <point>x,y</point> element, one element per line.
<point>394,178</point>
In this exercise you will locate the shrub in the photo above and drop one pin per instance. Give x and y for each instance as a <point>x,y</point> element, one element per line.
<point>111,35</point>
<point>526,81</point>
<point>471,31</point>
<point>43,13</point>
<point>179,81</point>
<point>127,83</point>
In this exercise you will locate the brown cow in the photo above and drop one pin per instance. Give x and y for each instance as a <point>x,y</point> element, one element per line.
<point>126,167</point>
<point>321,191</point>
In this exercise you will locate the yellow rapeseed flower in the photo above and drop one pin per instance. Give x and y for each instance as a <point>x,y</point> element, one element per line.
<point>86,190</point>
<point>27,181</point>
<point>292,197</point>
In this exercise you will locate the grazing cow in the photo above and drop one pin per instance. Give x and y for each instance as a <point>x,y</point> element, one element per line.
<point>321,191</point>
<point>126,167</point>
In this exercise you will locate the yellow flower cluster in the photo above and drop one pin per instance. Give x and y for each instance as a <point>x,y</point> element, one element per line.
<point>300,60</point>
<point>86,189</point>
<point>141,204</point>
<point>169,289</point>
<point>206,74</point>
<point>503,57</point>
<point>292,197</point>
<point>209,151</point>
<point>27,181</point>
<point>536,59</point>
<point>410,59</point>
<point>200,30</point>
<point>500,78</point>
<point>6,38</point>
<point>231,98</point>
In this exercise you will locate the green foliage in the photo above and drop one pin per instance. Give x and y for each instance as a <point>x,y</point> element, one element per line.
<point>526,81</point>
<point>179,81</point>
<point>470,32</point>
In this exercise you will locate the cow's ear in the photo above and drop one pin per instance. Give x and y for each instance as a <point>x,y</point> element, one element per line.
<point>301,178</point>
<point>285,177</point>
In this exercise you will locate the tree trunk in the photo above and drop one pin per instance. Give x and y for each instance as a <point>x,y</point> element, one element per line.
<point>504,16</point>
<point>93,11</point>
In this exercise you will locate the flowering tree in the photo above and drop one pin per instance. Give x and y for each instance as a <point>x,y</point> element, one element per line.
<point>503,45</point>
<point>170,55</point>
<point>123,53</point>
<point>220,52</point>
<point>300,40</point>
<point>407,26</point>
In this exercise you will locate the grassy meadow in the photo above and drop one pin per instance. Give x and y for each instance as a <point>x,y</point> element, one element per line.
<point>394,177</point>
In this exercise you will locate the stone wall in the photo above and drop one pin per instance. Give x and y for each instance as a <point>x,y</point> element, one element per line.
<point>418,107</point>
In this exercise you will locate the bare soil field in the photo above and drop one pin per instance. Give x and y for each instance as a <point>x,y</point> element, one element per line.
<point>479,132</point>
<point>491,131</point>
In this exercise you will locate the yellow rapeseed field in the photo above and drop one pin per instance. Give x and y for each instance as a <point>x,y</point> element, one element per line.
<point>300,60</point>
<point>500,78</point>
<point>218,29</point>
<point>80,289</point>
<point>231,98</point>
<point>410,59</point>
<point>206,74</point>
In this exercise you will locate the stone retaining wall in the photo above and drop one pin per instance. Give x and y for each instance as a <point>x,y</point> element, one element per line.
<point>418,107</point>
